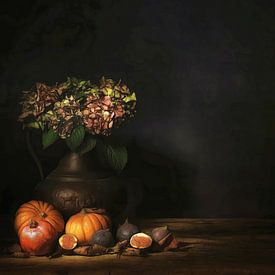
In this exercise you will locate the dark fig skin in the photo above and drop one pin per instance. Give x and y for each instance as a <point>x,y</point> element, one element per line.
<point>103,237</point>
<point>126,231</point>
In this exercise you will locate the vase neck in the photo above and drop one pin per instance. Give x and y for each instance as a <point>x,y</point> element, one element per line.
<point>73,163</point>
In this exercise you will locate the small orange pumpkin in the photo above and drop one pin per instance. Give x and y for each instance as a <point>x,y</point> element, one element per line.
<point>85,223</point>
<point>38,210</point>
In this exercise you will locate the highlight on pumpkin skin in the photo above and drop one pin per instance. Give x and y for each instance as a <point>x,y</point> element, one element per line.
<point>86,223</point>
<point>38,210</point>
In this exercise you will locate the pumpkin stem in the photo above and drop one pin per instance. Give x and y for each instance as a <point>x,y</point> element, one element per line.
<point>43,215</point>
<point>83,211</point>
<point>33,224</point>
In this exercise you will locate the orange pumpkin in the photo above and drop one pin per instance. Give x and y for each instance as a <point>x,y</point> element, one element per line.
<point>38,210</point>
<point>85,223</point>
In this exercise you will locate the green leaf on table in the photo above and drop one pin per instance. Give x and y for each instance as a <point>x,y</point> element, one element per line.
<point>88,145</point>
<point>76,137</point>
<point>49,137</point>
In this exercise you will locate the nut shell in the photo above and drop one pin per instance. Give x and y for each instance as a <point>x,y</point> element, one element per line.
<point>160,233</point>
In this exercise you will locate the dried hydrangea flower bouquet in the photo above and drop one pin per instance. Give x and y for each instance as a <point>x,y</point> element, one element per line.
<point>79,112</point>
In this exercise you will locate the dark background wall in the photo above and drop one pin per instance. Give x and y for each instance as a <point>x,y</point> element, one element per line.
<point>204,75</point>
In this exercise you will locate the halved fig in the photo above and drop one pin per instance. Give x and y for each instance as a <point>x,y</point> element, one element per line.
<point>68,241</point>
<point>141,241</point>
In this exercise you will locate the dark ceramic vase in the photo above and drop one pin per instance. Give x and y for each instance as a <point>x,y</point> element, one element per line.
<point>75,184</point>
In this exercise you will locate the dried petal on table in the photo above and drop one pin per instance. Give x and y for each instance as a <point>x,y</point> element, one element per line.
<point>130,251</point>
<point>83,250</point>
<point>14,248</point>
<point>118,248</point>
<point>21,254</point>
<point>91,250</point>
<point>57,253</point>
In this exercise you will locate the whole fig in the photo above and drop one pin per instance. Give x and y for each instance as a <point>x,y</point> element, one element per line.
<point>103,237</point>
<point>126,231</point>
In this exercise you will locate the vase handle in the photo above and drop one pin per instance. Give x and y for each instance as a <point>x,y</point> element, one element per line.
<point>34,156</point>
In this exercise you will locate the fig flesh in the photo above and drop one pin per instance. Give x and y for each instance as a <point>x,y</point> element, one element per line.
<point>141,241</point>
<point>68,241</point>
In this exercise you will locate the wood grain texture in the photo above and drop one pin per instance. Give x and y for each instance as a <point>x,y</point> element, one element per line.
<point>213,246</point>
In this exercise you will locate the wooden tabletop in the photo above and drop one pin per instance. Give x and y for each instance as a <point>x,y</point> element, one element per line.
<point>213,246</point>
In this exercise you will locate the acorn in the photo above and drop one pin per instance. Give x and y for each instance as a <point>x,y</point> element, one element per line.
<point>103,237</point>
<point>126,231</point>
<point>164,240</point>
<point>141,241</point>
<point>162,237</point>
<point>160,233</point>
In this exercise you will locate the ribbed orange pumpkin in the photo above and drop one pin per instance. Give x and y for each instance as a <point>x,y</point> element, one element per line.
<point>38,210</point>
<point>85,223</point>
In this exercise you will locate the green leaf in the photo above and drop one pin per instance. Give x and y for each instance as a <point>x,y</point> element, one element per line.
<point>131,97</point>
<point>49,137</point>
<point>82,83</point>
<point>113,156</point>
<point>76,137</point>
<point>108,91</point>
<point>100,151</point>
<point>93,90</point>
<point>34,124</point>
<point>88,145</point>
